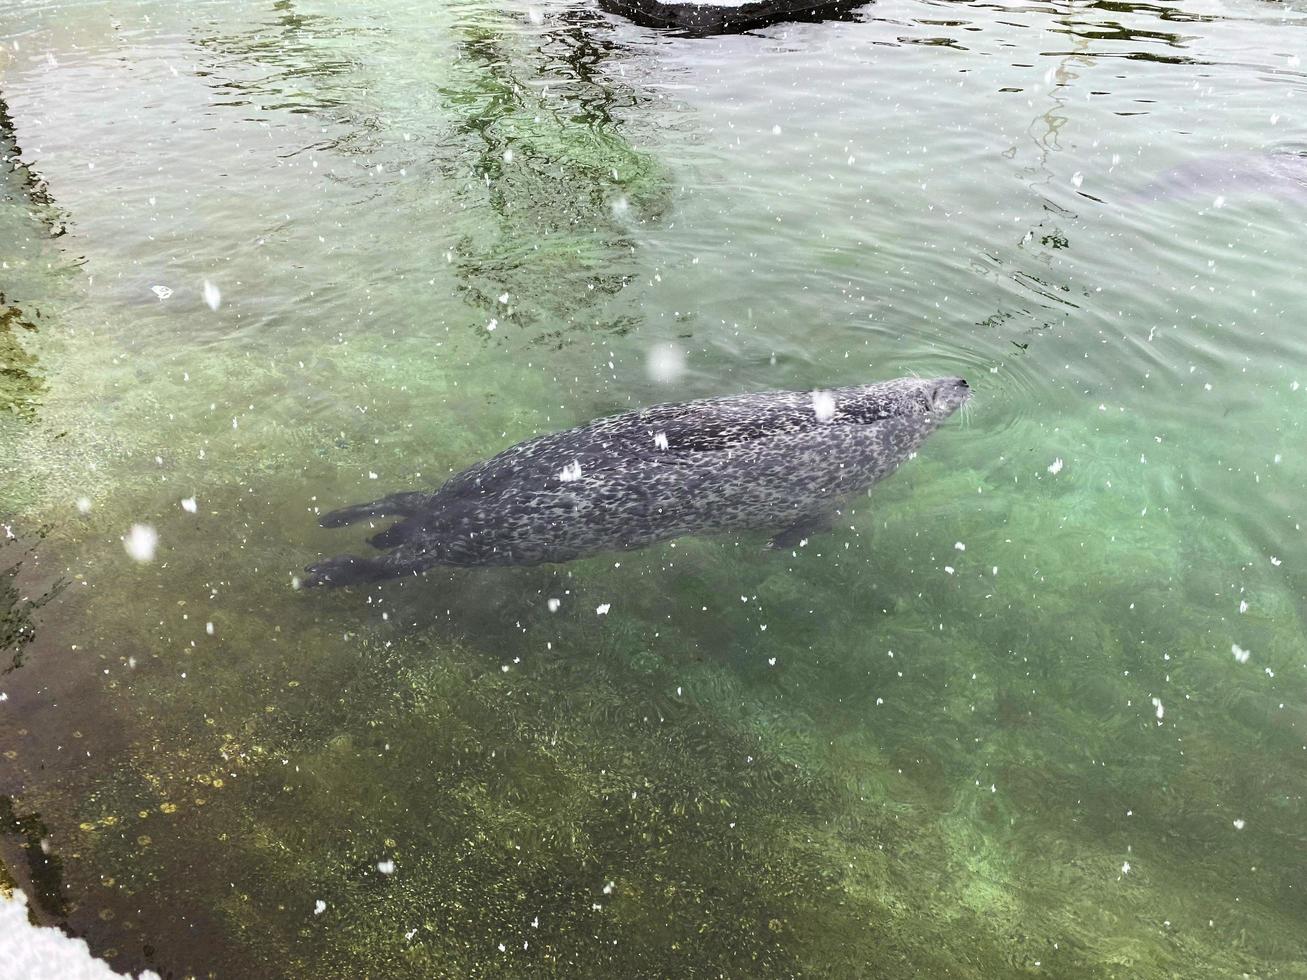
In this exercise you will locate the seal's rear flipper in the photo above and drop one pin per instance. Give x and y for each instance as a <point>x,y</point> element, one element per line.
<point>396,505</point>
<point>797,534</point>
<point>394,535</point>
<point>345,570</point>
<point>351,570</point>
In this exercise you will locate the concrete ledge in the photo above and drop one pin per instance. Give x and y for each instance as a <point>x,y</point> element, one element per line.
<point>726,16</point>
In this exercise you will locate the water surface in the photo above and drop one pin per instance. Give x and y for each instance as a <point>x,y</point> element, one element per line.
<point>1037,707</point>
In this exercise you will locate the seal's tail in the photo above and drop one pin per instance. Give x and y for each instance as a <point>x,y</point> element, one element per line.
<point>396,505</point>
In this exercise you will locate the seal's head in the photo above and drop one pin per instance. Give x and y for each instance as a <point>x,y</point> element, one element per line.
<point>924,402</point>
<point>944,396</point>
<point>903,411</point>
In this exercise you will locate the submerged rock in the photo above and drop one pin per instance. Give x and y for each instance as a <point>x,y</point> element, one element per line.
<point>1280,172</point>
<point>727,16</point>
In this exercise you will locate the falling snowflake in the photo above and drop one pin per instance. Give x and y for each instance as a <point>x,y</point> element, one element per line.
<point>1240,654</point>
<point>163,292</point>
<point>141,542</point>
<point>1055,467</point>
<point>212,295</point>
<point>666,364</point>
<point>823,405</point>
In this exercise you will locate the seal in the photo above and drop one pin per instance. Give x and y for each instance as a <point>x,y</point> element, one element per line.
<point>780,460</point>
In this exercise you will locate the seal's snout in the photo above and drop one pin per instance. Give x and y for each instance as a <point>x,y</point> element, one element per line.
<point>949,394</point>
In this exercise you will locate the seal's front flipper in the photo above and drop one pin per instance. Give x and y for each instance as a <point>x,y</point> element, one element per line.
<point>396,505</point>
<point>797,534</point>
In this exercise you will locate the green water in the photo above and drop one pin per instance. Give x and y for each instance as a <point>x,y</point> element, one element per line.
<point>994,725</point>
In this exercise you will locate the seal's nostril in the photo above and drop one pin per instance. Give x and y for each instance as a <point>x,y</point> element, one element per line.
<point>962,383</point>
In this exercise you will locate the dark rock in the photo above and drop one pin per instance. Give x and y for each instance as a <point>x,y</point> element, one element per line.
<point>727,17</point>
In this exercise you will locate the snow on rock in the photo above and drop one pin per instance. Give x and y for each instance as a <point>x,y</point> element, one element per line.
<point>45,953</point>
<point>163,292</point>
<point>602,608</point>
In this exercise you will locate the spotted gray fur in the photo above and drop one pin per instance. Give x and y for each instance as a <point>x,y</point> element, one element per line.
<point>781,460</point>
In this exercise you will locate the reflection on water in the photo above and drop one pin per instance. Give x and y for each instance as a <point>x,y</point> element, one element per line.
<point>289,62</point>
<point>1034,707</point>
<point>38,871</point>
<point>18,604</point>
<point>28,211</point>
<point>551,162</point>
<point>20,381</point>
<point>703,20</point>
